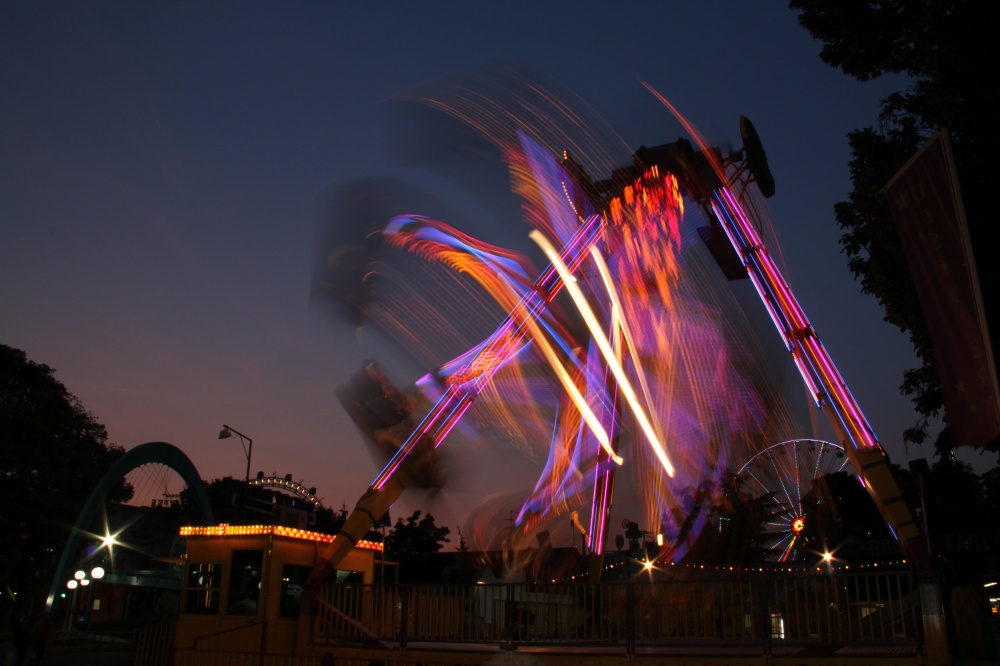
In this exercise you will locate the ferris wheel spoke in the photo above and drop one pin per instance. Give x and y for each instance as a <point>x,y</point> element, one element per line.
<point>778,544</point>
<point>789,502</point>
<point>789,550</point>
<point>798,479</point>
<point>788,471</point>
<point>763,486</point>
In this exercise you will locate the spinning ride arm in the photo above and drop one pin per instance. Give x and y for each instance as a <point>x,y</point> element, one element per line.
<point>450,407</point>
<point>825,384</point>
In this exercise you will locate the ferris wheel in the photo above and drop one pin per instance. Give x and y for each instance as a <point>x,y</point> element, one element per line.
<point>286,485</point>
<point>787,471</point>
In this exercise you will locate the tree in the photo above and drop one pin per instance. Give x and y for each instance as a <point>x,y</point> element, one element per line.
<point>739,534</point>
<point>330,521</point>
<point>842,518</point>
<point>411,543</point>
<point>943,46</point>
<point>960,521</point>
<point>52,452</point>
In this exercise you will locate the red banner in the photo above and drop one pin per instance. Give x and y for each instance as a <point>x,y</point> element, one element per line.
<point>927,210</point>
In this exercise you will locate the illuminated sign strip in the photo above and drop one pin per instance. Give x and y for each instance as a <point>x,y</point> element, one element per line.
<point>275,530</point>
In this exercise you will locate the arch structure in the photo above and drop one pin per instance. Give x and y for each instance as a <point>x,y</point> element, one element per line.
<point>151,452</point>
<point>285,484</point>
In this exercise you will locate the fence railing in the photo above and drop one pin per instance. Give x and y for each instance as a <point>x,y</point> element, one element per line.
<point>152,644</point>
<point>826,608</point>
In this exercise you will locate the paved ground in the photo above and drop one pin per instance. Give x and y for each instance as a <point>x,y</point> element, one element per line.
<point>124,658</point>
<point>80,658</point>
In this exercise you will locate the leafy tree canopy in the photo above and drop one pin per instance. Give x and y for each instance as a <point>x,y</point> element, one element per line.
<point>412,542</point>
<point>943,48</point>
<point>52,453</point>
<point>739,534</point>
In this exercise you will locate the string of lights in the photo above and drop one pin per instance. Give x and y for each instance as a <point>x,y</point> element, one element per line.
<point>276,530</point>
<point>832,567</point>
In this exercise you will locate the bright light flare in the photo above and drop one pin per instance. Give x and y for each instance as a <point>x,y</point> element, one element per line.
<point>109,541</point>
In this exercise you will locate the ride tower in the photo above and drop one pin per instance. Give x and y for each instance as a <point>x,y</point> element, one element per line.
<point>718,185</point>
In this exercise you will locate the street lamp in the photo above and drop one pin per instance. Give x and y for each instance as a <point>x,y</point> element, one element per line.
<point>247,444</point>
<point>97,573</point>
<point>72,584</point>
<point>79,580</point>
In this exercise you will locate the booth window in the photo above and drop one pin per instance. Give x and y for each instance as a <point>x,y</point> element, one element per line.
<point>345,577</point>
<point>293,579</point>
<point>244,582</point>
<point>202,588</point>
<point>349,592</point>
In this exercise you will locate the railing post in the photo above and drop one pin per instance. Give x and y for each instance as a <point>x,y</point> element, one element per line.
<point>404,616</point>
<point>935,631</point>
<point>508,620</point>
<point>630,618</point>
<point>762,609</point>
<point>263,643</point>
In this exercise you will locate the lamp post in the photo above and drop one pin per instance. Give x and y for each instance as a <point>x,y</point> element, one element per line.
<point>96,574</point>
<point>632,534</point>
<point>247,444</point>
<point>81,580</point>
<point>72,584</point>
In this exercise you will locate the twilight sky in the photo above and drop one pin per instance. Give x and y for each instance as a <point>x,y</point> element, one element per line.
<point>162,166</point>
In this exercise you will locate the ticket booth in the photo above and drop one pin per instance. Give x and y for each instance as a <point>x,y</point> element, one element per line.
<point>242,584</point>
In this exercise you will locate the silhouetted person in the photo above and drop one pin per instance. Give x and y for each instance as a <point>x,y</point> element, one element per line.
<point>39,637</point>
<point>22,641</point>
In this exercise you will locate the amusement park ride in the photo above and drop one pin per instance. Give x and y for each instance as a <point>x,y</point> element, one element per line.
<point>717,184</point>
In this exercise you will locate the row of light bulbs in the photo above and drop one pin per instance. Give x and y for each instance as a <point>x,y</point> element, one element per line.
<point>277,530</point>
<point>825,567</point>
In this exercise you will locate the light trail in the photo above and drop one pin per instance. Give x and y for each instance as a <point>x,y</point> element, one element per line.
<point>497,350</point>
<point>610,357</point>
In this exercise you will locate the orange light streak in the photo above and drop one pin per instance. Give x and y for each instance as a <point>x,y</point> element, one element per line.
<point>601,339</point>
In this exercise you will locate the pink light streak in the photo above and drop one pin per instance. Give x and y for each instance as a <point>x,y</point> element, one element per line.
<point>769,282</point>
<point>497,351</point>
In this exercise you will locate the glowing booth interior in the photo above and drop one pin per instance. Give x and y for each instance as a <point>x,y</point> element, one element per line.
<point>242,585</point>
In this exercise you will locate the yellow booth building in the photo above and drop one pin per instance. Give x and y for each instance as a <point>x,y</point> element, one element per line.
<point>242,586</point>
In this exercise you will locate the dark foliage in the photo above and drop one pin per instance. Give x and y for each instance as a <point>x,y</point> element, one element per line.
<point>944,48</point>
<point>411,543</point>
<point>737,533</point>
<point>52,453</point>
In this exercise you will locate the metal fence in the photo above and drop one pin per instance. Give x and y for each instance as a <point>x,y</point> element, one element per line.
<point>152,644</point>
<point>827,608</point>
<point>193,657</point>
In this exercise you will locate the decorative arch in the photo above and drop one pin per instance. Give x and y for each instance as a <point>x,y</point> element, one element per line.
<point>151,452</point>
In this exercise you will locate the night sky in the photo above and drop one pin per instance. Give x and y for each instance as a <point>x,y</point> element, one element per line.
<point>163,166</point>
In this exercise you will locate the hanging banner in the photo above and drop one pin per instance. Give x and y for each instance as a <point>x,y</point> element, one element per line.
<point>927,210</point>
